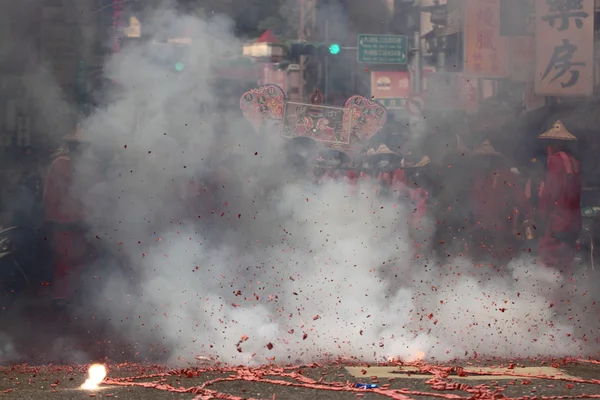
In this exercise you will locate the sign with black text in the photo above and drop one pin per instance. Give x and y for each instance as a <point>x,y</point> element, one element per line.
<point>564,48</point>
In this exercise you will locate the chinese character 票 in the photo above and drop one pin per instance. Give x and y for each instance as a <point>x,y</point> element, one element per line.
<point>561,63</point>
<point>564,11</point>
<point>486,40</point>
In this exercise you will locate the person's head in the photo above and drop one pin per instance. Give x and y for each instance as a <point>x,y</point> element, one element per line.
<point>75,141</point>
<point>484,165</point>
<point>557,138</point>
<point>77,147</point>
<point>334,158</point>
<point>383,164</point>
<point>498,162</point>
<point>485,158</point>
<point>555,146</point>
<point>416,171</point>
<point>384,159</point>
<point>414,177</point>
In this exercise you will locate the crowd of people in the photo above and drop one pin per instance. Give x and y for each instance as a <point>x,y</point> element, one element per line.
<point>481,207</point>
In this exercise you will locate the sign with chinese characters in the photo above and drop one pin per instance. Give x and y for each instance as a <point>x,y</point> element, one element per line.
<point>390,84</point>
<point>597,58</point>
<point>564,47</point>
<point>382,49</point>
<point>391,103</point>
<point>485,50</point>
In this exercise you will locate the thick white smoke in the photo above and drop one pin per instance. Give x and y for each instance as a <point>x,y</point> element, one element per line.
<point>280,269</point>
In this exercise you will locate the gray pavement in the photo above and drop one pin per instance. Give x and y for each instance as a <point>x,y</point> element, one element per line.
<point>569,379</point>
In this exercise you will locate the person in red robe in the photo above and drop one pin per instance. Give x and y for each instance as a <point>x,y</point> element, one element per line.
<point>498,207</point>
<point>391,178</point>
<point>64,216</point>
<point>559,209</point>
<point>366,170</point>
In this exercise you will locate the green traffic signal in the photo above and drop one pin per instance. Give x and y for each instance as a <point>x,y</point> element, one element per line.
<point>179,67</point>
<point>334,49</point>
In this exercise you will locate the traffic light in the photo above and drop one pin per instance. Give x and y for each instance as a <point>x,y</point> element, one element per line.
<point>314,49</point>
<point>334,48</point>
<point>179,67</point>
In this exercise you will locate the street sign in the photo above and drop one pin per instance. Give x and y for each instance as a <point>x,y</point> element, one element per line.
<point>382,49</point>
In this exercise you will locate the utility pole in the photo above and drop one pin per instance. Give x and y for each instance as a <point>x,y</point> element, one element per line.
<point>326,61</point>
<point>417,63</point>
<point>308,19</point>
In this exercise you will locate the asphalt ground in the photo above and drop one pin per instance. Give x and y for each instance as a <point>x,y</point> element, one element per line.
<point>467,380</point>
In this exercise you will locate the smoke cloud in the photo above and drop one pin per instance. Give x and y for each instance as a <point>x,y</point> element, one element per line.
<point>272,267</point>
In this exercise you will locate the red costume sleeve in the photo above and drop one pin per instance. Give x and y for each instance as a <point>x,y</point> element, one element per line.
<point>493,205</point>
<point>351,177</point>
<point>398,182</point>
<point>553,185</point>
<point>561,197</point>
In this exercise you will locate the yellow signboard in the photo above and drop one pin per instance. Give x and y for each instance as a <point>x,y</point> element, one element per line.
<point>564,48</point>
<point>485,50</point>
<point>134,30</point>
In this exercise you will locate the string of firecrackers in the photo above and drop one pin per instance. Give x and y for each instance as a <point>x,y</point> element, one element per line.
<point>440,381</point>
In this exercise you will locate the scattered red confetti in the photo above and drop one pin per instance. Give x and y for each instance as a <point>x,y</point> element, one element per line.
<point>270,346</point>
<point>293,376</point>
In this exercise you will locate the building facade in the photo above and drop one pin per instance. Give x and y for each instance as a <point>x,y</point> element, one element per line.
<point>49,50</point>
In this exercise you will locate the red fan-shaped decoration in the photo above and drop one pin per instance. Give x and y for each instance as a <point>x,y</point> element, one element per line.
<point>264,107</point>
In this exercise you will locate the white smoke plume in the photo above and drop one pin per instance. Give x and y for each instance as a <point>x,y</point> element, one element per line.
<point>279,270</point>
